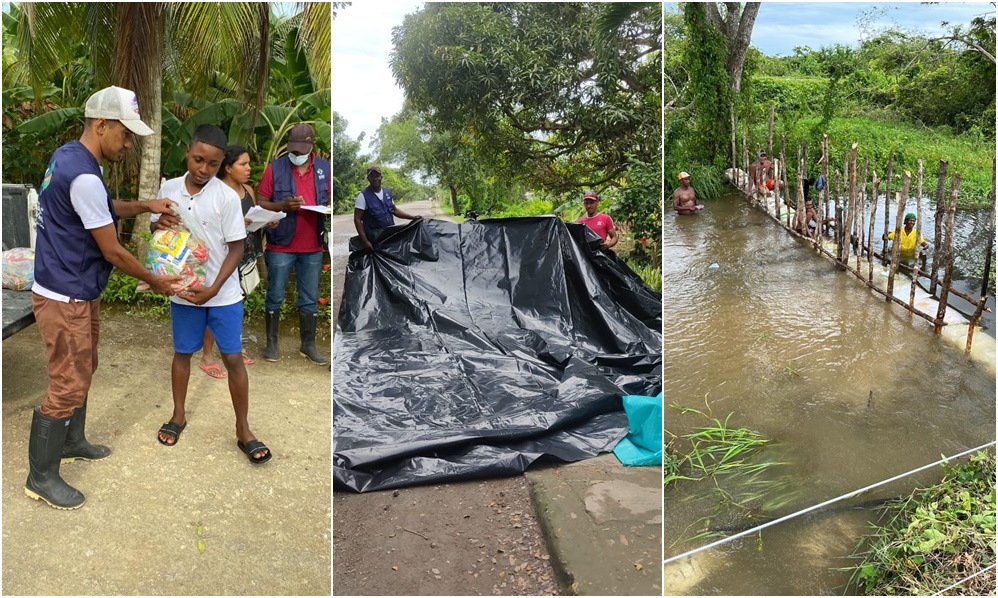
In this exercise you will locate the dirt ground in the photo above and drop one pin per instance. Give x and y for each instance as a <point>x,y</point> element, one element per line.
<point>193,519</point>
<point>471,538</point>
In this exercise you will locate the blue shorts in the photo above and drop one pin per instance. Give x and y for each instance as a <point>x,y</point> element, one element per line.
<point>190,322</point>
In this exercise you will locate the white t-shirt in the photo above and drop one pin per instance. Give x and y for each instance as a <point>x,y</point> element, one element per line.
<point>214,214</point>
<point>89,199</point>
<point>361,203</point>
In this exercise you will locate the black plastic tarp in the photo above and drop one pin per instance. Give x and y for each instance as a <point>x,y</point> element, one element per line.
<point>470,351</point>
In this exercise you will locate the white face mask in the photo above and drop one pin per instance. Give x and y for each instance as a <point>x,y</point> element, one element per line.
<point>298,160</point>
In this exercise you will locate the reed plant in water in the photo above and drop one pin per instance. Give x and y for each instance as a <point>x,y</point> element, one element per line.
<point>735,461</point>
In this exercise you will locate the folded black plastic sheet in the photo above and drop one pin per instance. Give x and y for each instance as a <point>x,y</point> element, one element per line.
<point>470,351</point>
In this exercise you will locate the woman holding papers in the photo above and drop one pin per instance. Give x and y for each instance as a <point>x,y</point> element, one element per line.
<point>235,172</point>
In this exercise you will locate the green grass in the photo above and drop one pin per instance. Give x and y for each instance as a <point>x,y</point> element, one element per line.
<point>935,537</point>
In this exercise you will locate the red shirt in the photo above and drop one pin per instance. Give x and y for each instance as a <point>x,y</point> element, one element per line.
<point>600,223</point>
<point>306,236</point>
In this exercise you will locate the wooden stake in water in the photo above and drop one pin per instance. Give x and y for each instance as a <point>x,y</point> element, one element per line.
<point>861,228</point>
<point>769,146</point>
<point>948,273</point>
<point>987,259</point>
<point>824,173</point>
<point>838,216</point>
<point>799,209</point>
<point>937,251</point>
<point>873,212</point>
<point>745,161</point>
<point>902,199</point>
<point>851,215</point>
<point>786,175</point>
<point>887,196</point>
<point>918,234</point>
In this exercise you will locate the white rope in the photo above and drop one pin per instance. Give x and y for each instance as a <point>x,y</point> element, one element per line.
<point>982,571</point>
<point>819,506</point>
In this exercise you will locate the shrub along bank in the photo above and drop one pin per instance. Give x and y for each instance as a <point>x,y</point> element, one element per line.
<point>935,537</point>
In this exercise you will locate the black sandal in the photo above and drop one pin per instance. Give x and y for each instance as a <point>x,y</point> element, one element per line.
<point>255,446</point>
<point>173,430</point>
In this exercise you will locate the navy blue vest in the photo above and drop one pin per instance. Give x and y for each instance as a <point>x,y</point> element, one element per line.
<point>379,214</point>
<point>68,260</point>
<point>284,187</point>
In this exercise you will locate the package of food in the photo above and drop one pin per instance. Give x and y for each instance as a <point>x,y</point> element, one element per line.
<point>18,268</point>
<point>176,252</point>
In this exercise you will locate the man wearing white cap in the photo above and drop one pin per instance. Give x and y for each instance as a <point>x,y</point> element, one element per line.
<point>76,249</point>
<point>684,199</point>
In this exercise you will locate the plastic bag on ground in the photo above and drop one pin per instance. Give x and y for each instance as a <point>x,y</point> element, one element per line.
<point>471,351</point>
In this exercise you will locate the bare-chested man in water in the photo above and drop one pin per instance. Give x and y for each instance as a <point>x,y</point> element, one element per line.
<point>684,199</point>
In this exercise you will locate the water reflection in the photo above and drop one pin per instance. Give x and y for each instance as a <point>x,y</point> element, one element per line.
<point>758,325</point>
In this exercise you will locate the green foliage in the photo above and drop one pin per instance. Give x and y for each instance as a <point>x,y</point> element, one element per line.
<point>210,74</point>
<point>935,537</point>
<point>349,167</point>
<point>640,202</point>
<point>709,88</point>
<point>649,273</point>
<point>531,207</point>
<point>543,95</point>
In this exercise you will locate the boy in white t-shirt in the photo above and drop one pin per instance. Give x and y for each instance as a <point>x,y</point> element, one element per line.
<point>211,210</point>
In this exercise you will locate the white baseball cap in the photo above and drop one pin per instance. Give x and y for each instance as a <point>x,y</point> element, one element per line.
<point>116,103</point>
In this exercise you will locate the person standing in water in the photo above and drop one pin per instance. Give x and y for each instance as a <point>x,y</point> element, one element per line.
<point>684,199</point>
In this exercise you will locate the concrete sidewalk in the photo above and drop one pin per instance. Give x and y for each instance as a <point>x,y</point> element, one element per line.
<point>603,524</point>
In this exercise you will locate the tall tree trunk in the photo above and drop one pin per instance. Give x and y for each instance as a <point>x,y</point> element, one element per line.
<point>737,28</point>
<point>453,200</point>
<point>139,66</point>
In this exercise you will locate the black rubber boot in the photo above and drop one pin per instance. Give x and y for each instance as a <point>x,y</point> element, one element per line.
<point>48,435</point>
<point>271,353</point>
<point>76,446</point>
<point>308,349</point>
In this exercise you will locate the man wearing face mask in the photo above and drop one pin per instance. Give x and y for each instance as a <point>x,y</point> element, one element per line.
<point>298,178</point>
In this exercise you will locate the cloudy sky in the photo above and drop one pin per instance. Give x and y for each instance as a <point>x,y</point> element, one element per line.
<point>364,90</point>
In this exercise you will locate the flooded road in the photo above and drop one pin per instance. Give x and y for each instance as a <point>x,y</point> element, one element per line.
<point>851,390</point>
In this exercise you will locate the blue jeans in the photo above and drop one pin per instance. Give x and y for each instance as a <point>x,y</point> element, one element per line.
<point>307,268</point>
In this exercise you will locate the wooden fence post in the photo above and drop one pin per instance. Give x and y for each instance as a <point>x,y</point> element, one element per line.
<point>937,251</point>
<point>948,273</point>
<point>987,259</point>
<point>873,213</point>
<point>918,234</point>
<point>887,198</point>
<point>902,199</point>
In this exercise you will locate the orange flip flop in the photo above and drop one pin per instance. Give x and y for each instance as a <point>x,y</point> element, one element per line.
<point>214,370</point>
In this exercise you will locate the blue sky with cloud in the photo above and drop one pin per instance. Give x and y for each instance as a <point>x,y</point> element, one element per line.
<point>364,90</point>
<point>782,26</point>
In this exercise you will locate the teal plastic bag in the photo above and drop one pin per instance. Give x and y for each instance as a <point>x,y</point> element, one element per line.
<point>643,444</point>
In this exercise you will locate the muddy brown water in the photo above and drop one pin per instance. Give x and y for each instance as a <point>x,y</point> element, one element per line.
<point>759,326</point>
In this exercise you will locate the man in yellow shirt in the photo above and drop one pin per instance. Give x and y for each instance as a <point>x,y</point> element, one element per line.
<point>908,236</point>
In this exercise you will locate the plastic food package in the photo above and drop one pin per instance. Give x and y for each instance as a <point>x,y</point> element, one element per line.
<point>18,268</point>
<point>176,252</point>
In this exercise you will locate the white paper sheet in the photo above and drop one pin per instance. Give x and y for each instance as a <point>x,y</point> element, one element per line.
<point>260,217</point>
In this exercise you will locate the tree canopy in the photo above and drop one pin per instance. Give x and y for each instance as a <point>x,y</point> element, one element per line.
<point>540,91</point>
